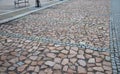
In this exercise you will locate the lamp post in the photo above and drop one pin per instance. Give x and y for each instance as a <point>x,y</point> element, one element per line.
<point>38,4</point>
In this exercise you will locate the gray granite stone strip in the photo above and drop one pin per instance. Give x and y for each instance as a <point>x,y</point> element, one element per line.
<point>48,40</point>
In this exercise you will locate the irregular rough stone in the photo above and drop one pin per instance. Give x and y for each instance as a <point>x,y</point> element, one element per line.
<point>81,70</point>
<point>51,55</point>
<point>91,60</point>
<point>57,66</point>
<point>98,59</point>
<point>81,52</point>
<point>51,48</point>
<point>22,58</point>
<point>82,62</point>
<point>74,48</point>
<point>27,61</point>
<point>62,55</point>
<point>80,57</point>
<point>73,60</point>
<point>37,69</point>
<point>11,68</point>
<point>99,73</point>
<point>88,56</point>
<point>98,69</point>
<point>34,63</point>
<point>33,57</point>
<point>71,56</point>
<point>31,68</point>
<point>14,60</point>
<point>106,63</point>
<point>21,68</point>
<point>73,52</point>
<point>107,68</point>
<point>43,67</point>
<point>89,51</point>
<point>57,72</point>
<point>42,72</point>
<point>64,51</point>
<point>65,68</point>
<point>50,63</point>
<point>65,61</point>
<point>57,60</point>
<point>107,58</point>
<point>96,54</point>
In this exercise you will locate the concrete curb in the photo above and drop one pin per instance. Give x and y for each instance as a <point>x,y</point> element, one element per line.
<point>24,14</point>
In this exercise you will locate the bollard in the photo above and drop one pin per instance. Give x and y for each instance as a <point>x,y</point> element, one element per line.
<point>38,4</point>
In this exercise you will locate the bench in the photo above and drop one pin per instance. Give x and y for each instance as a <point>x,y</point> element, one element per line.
<point>18,2</point>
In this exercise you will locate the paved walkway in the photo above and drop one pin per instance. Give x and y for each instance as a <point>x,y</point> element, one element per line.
<point>115,35</point>
<point>70,38</point>
<point>8,5</point>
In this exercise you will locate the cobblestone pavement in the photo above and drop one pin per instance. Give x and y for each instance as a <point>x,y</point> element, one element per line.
<point>73,22</point>
<point>115,35</point>
<point>19,56</point>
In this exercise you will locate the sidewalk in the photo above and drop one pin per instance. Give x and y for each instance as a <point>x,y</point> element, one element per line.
<point>69,38</point>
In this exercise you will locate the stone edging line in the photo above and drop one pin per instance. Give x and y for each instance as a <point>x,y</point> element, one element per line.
<point>48,40</point>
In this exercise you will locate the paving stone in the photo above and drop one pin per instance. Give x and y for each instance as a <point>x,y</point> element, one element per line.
<point>40,62</point>
<point>21,68</point>
<point>31,68</point>
<point>74,48</point>
<point>50,63</point>
<point>57,72</point>
<point>34,63</point>
<point>96,54</point>
<point>33,57</point>
<point>20,63</point>
<point>14,60</point>
<point>98,59</point>
<point>43,66</point>
<point>99,73</point>
<point>89,51</point>
<point>48,71</point>
<point>57,60</point>
<point>81,70</point>
<point>88,56</point>
<point>106,63</point>
<point>60,48</point>
<point>107,58</point>
<point>42,72</point>
<point>51,48</point>
<point>65,61</point>
<point>65,68</point>
<point>82,62</point>
<point>80,57</point>
<point>11,68</point>
<point>64,51</point>
<point>107,68</point>
<point>62,55</point>
<point>22,58</point>
<point>81,52</point>
<point>91,60</point>
<point>73,52</point>
<point>73,60</point>
<point>57,66</point>
<point>51,55</point>
<point>71,56</point>
<point>27,61</point>
<point>98,69</point>
<point>37,69</point>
